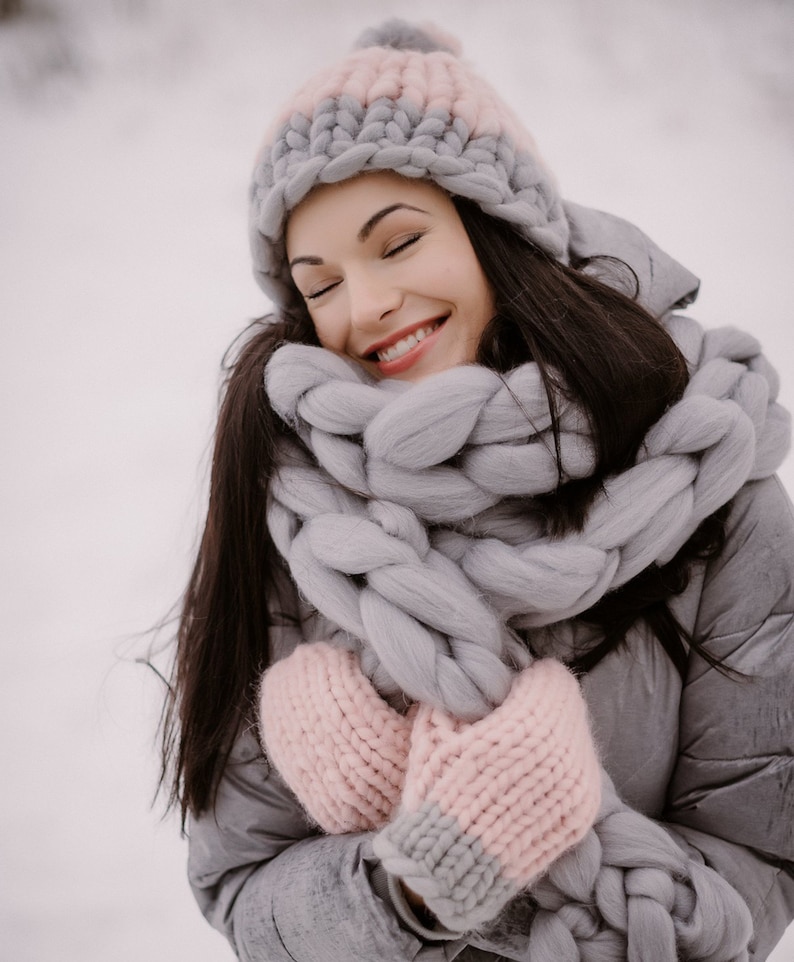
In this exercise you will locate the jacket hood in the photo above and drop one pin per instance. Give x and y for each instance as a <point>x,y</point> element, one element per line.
<point>664,284</point>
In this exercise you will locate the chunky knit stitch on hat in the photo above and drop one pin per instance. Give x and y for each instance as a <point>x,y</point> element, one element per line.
<point>394,514</point>
<point>336,742</point>
<point>405,103</point>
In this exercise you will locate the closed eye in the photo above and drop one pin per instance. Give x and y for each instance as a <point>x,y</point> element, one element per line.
<point>404,244</point>
<point>323,290</point>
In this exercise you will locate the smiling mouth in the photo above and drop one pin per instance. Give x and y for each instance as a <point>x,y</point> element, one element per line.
<point>405,344</point>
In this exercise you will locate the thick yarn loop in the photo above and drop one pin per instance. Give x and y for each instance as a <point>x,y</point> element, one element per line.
<point>436,656</point>
<point>643,897</point>
<point>419,451</point>
<point>339,746</point>
<point>459,654</point>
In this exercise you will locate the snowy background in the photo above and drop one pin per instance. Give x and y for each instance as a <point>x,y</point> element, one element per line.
<point>127,131</point>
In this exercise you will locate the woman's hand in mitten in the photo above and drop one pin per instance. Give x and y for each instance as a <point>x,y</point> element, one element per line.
<point>487,806</point>
<point>338,745</point>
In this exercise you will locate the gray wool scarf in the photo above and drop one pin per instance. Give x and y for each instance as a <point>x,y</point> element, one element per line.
<point>405,514</point>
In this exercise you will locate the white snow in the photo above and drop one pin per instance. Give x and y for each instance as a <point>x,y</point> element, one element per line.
<point>128,131</point>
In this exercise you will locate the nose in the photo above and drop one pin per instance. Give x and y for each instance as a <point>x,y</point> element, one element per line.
<point>370,300</point>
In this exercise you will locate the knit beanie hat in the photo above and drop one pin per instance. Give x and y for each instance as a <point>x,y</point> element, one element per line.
<point>402,101</point>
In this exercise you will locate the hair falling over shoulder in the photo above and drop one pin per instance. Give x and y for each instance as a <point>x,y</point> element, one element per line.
<point>222,639</point>
<point>595,342</point>
<point>612,356</point>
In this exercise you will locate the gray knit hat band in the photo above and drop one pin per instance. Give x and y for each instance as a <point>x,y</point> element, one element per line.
<point>477,156</point>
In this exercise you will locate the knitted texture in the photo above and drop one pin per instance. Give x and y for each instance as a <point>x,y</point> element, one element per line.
<point>406,103</point>
<point>629,892</point>
<point>393,509</point>
<point>428,563</point>
<point>628,877</point>
<point>338,745</point>
<point>487,806</point>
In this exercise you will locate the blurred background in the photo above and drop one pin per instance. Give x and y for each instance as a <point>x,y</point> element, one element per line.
<point>127,132</point>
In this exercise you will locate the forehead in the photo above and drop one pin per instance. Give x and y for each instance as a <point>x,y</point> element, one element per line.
<point>330,205</point>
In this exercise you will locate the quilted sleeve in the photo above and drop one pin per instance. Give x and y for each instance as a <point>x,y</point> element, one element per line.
<point>278,891</point>
<point>732,793</point>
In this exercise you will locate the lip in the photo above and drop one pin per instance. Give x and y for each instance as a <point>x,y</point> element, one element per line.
<point>399,335</point>
<point>401,364</point>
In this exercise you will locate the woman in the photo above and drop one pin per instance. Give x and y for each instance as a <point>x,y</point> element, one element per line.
<point>501,530</point>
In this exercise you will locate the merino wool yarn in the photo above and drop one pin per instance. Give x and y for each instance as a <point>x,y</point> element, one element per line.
<point>341,748</point>
<point>394,508</point>
<point>400,518</point>
<point>403,101</point>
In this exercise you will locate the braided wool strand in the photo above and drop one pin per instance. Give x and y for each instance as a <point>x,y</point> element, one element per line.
<point>393,541</point>
<point>394,515</point>
<point>628,891</point>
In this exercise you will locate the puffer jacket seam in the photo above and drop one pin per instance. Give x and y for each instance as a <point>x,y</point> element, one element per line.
<point>713,758</point>
<point>752,628</point>
<point>280,938</point>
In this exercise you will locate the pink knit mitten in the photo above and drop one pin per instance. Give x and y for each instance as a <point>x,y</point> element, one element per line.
<point>487,806</point>
<point>338,745</point>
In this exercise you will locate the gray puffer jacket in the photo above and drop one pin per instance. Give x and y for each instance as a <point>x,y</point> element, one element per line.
<point>708,756</point>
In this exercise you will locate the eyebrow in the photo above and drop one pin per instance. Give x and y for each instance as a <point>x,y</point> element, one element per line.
<point>376,218</point>
<point>363,234</point>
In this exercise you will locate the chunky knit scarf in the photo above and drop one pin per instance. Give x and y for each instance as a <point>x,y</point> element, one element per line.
<point>405,515</point>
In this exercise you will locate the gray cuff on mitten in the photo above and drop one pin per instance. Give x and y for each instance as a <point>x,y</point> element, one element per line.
<point>460,883</point>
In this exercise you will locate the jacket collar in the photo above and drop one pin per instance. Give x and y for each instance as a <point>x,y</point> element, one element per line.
<point>664,284</point>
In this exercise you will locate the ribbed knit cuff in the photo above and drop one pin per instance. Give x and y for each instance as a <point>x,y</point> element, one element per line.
<point>462,884</point>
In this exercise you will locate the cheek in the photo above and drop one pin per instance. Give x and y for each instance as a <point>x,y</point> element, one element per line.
<point>328,330</point>
<point>478,295</point>
<point>465,282</point>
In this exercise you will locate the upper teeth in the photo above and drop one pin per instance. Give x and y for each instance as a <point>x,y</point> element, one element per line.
<point>404,345</point>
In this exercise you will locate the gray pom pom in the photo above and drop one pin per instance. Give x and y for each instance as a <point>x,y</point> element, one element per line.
<point>401,35</point>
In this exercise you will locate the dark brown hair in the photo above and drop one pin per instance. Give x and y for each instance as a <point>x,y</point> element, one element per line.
<point>587,337</point>
<point>613,357</point>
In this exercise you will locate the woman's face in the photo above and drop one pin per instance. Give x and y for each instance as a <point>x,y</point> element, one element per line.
<point>389,275</point>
